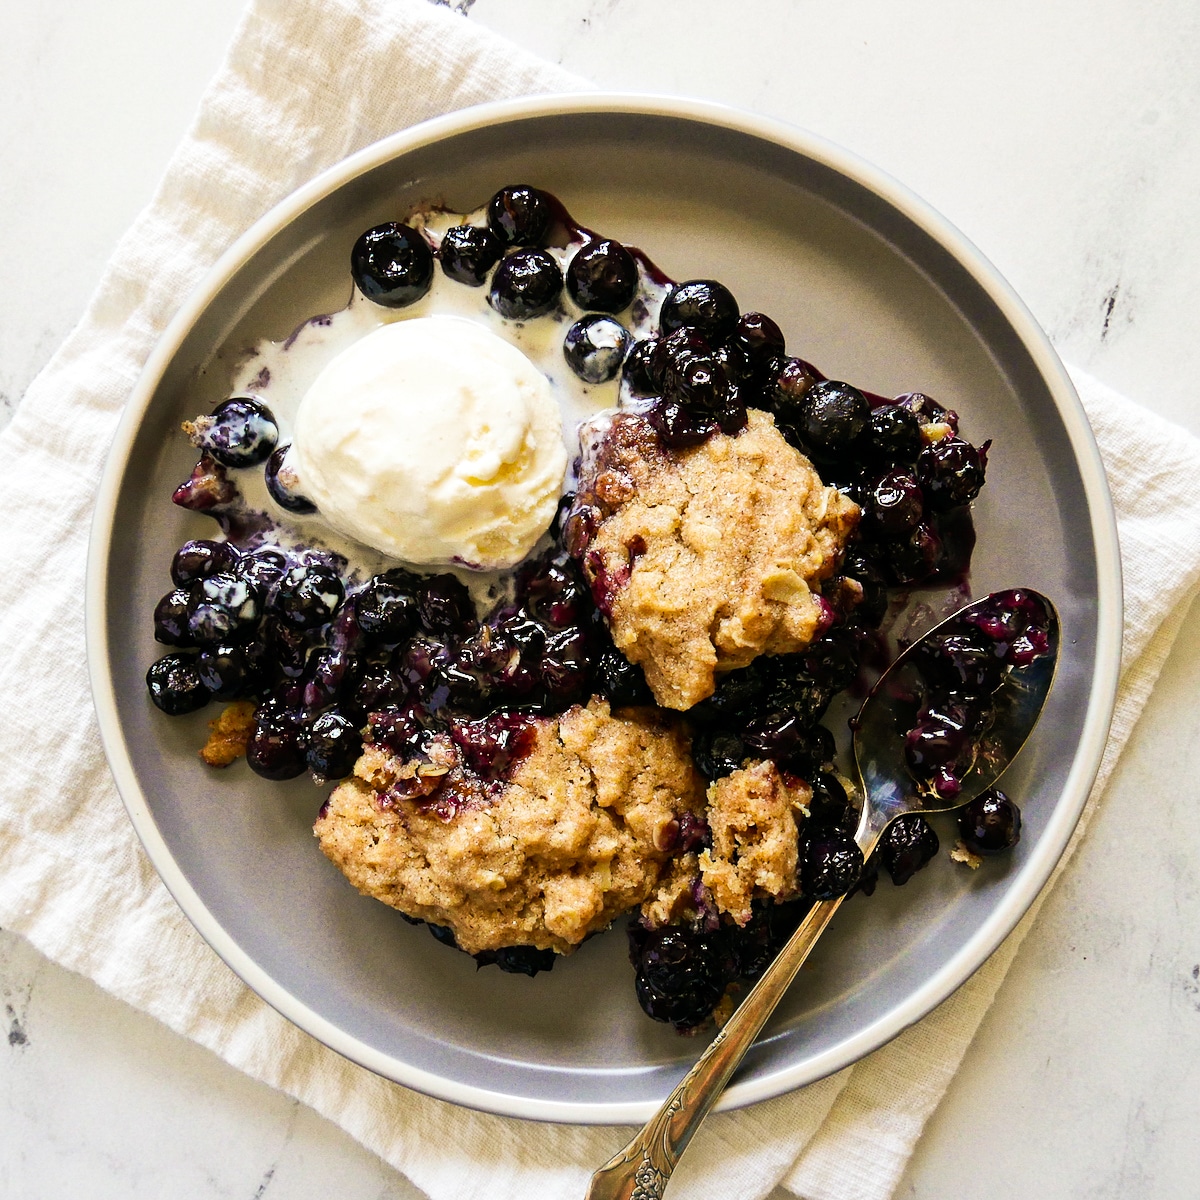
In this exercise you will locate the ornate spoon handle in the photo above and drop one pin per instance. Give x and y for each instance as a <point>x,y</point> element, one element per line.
<point>642,1169</point>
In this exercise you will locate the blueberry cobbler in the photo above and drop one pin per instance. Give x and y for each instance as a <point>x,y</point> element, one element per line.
<point>550,568</point>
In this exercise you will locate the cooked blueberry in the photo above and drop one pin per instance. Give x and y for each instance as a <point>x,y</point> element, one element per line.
<point>518,960</point>
<point>703,305</point>
<point>526,284</point>
<point>830,866</point>
<point>467,253</point>
<point>760,338</point>
<point>445,935</point>
<point>812,752</point>
<point>386,608</point>
<point>621,681</point>
<point>833,416</point>
<point>326,674</point>
<point>960,662</point>
<point>990,824</point>
<point>392,265</point>
<point>680,974</point>
<point>717,752</point>
<point>280,649</point>
<point>940,747</point>
<point>637,369</point>
<point>908,843</point>
<point>893,436</point>
<point>832,660</point>
<point>170,619</point>
<point>333,746</point>
<point>227,671</point>
<point>283,483</point>
<point>1018,623</point>
<point>951,472</point>
<point>595,347</point>
<point>445,605</point>
<point>786,393</point>
<point>829,806</point>
<point>555,594</point>
<point>222,608</point>
<point>380,686</point>
<point>201,557</point>
<point>520,216</point>
<point>602,277</point>
<point>735,363</point>
<point>241,432</point>
<point>175,685</point>
<point>276,749</point>
<point>680,427</point>
<point>894,504</point>
<point>565,667</point>
<point>737,695</point>
<point>732,415</point>
<point>913,558</point>
<point>308,595</point>
<point>262,568</point>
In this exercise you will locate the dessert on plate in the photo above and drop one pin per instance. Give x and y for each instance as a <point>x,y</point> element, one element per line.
<point>548,568</point>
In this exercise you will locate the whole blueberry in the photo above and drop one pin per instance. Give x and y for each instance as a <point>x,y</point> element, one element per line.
<point>951,472</point>
<point>526,284</point>
<point>894,504</point>
<point>222,609</point>
<point>786,392</point>
<point>518,960</point>
<point>595,347</point>
<point>637,369</point>
<point>392,265</point>
<point>703,305</point>
<point>759,337</point>
<point>467,253</point>
<point>834,414</point>
<point>283,483</point>
<point>201,557</point>
<point>602,277</point>
<point>308,595</point>
<point>445,605</point>
<point>277,746</point>
<point>386,608</point>
<point>914,557</point>
<point>241,432</point>
<point>170,619</point>
<point>227,671</point>
<point>262,568</point>
<point>893,436</point>
<point>622,682</point>
<point>990,824</point>
<point>830,866</point>
<point>333,746</point>
<point>717,752</point>
<point>520,215</point>
<point>680,974</point>
<point>679,427</point>
<point>175,685</point>
<point>907,845</point>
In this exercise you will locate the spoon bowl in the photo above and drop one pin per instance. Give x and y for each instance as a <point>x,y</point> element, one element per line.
<point>893,706</point>
<point>921,745</point>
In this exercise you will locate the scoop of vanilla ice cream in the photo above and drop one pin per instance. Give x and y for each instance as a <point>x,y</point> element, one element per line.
<point>434,441</point>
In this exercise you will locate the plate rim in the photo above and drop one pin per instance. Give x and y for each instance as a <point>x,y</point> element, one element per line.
<point>1028,882</point>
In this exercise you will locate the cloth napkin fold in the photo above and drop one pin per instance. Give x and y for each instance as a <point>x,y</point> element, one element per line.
<point>307,82</point>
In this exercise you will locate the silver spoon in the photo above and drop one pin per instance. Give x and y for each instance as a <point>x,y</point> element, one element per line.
<point>643,1168</point>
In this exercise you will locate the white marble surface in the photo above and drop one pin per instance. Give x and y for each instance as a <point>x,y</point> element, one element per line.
<point>1064,139</point>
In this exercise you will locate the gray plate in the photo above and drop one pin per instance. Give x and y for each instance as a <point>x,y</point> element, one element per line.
<point>868,283</point>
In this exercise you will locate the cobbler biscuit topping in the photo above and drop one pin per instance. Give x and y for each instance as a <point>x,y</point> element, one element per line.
<point>706,558</point>
<point>577,831</point>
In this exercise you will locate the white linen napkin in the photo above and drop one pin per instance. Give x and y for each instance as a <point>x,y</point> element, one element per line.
<point>307,82</point>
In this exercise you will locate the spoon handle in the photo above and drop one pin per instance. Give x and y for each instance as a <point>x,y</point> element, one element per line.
<point>642,1169</point>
